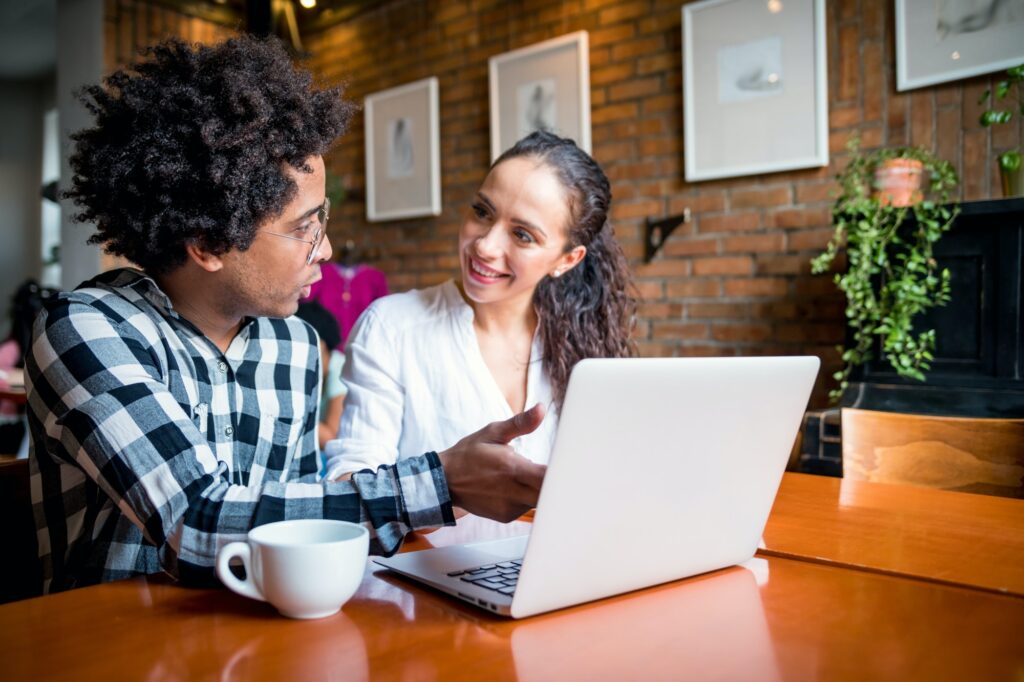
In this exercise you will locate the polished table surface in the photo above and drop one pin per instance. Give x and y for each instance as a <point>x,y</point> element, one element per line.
<point>956,538</point>
<point>773,618</point>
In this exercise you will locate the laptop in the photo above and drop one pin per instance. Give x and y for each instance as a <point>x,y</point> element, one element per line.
<point>662,468</point>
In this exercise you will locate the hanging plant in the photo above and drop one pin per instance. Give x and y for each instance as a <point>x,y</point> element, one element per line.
<point>1010,170</point>
<point>891,275</point>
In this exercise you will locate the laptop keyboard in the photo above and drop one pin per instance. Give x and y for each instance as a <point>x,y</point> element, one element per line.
<point>500,577</point>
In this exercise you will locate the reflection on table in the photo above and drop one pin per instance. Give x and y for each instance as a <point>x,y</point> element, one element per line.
<point>773,618</point>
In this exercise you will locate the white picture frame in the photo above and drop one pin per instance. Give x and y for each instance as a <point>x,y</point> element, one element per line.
<point>942,42</point>
<point>546,84</point>
<point>403,151</point>
<point>755,87</point>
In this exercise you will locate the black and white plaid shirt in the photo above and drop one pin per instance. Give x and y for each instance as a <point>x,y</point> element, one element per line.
<point>151,448</point>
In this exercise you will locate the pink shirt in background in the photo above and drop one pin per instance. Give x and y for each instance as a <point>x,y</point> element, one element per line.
<point>9,356</point>
<point>347,291</point>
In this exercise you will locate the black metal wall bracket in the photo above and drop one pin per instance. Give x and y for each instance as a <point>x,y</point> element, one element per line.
<point>656,232</point>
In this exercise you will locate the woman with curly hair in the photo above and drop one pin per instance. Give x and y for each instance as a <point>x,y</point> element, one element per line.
<point>544,285</point>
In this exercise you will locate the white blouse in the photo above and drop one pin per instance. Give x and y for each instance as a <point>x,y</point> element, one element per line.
<point>417,382</point>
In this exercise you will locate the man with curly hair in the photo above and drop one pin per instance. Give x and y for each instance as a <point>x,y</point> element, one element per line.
<point>174,408</point>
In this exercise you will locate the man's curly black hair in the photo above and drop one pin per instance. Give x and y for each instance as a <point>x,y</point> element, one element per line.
<point>190,145</point>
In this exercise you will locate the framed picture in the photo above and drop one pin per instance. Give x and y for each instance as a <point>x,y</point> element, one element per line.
<point>946,41</point>
<point>543,86</point>
<point>403,152</point>
<point>755,87</point>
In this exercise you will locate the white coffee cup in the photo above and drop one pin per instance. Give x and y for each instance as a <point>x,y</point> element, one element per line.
<point>306,568</point>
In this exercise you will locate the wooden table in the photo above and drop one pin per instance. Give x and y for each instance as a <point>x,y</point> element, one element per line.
<point>775,618</point>
<point>936,535</point>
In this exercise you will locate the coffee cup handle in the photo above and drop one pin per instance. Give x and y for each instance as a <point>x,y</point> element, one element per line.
<point>246,588</point>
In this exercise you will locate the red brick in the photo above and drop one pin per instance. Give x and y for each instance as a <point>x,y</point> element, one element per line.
<point>613,73</point>
<point>972,109</point>
<point>922,127</point>
<point>760,197</point>
<point>634,48</point>
<point>743,333</point>
<point>873,16</point>
<point>600,56</point>
<point>702,350</point>
<point>650,289</point>
<point>849,63</point>
<point>948,94</point>
<point>896,109</point>
<point>614,112</point>
<point>622,12</point>
<point>838,140</point>
<point>692,288</point>
<point>755,243</point>
<point>664,268</point>
<point>612,34</point>
<point>679,330</point>
<point>659,63</point>
<point>665,21</point>
<point>848,9</point>
<point>632,170</point>
<point>798,217</point>
<point>659,103</point>
<point>844,116</point>
<point>783,265</point>
<point>705,202</point>
<point>815,192</point>
<point>814,287</point>
<point>760,286</point>
<point>690,246</point>
<point>648,349</point>
<point>948,140</point>
<point>977,166</point>
<point>711,311</point>
<point>874,82</point>
<point>660,311</point>
<point>730,222</point>
<point>636,209</point>
<point>661,145</point>
<point>809,332</point>
<point>723,265</point>
<point>872,136</point>
<point>634,88</point>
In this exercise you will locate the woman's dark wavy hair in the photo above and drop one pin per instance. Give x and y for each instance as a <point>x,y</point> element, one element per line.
<point>190,144</point>
<point>590,311</point>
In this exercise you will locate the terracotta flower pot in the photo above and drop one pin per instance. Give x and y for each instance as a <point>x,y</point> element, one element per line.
<point>898,182</point>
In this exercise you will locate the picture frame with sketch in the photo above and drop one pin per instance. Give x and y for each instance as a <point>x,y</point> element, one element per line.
<point>938,42</point>
<point>403,152</point>
<point>541,86</point>
<point>755,87</point>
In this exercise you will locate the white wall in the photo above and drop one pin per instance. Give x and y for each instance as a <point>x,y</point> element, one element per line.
<point>79,62</point>
<point>21,143</point>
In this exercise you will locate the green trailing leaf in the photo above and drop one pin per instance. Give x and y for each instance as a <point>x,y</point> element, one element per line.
<point>892,275</point>
<point>1010,161</point>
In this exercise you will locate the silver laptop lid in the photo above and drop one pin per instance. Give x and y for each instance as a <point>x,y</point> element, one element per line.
<point>662,468</point>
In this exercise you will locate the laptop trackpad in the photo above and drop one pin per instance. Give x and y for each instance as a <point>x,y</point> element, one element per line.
<point>441,560</point>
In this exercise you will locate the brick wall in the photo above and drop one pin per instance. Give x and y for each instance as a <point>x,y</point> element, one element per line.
<point>735,280</point>
<point>129,25</point>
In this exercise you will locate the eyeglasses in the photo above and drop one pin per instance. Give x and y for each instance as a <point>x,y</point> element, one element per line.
<point>318,236</point>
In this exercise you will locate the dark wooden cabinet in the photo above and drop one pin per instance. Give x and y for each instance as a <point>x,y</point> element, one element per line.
<point>979,361</point>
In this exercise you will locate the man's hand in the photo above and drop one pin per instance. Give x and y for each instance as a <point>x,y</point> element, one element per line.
<point>487,477</point>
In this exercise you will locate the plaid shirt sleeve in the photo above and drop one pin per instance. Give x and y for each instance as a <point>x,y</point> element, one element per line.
<point>102,414</point>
